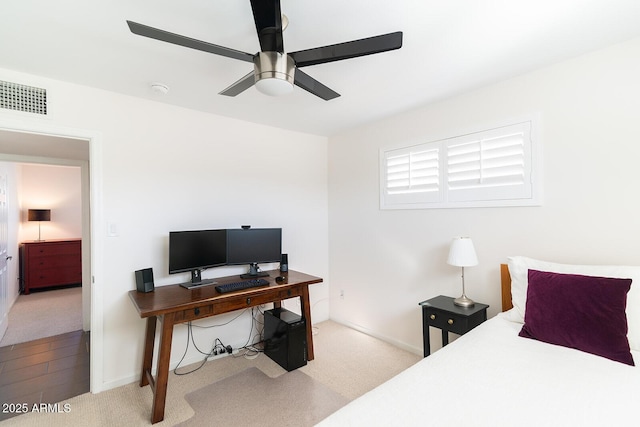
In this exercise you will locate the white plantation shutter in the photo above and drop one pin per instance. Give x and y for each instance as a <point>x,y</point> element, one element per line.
<point>413,172</point>
<point>488,168</point>
<point>489,165</point>
<point>410,175</point>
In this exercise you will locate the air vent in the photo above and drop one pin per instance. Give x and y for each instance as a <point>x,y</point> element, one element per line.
<point>28,99</point>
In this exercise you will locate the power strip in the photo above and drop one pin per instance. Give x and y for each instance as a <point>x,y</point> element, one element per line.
<point>221,352</point>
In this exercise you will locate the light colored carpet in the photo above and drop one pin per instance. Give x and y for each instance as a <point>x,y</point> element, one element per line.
<point>346,361</point>
<point>294,393</point>
<point>44,314</point>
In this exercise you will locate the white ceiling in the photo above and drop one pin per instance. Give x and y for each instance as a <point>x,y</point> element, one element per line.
<point>450,47</point>
<point>47,146</point>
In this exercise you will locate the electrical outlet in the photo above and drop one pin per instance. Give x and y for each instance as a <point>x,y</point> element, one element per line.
<point>341,293</point>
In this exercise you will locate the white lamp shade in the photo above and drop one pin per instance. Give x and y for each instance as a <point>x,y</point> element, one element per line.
<point>462,253</point>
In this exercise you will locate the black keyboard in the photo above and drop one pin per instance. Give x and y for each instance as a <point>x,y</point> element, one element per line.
<point>237,286</point>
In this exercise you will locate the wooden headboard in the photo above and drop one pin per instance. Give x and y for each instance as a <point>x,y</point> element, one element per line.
<point>505,279</point>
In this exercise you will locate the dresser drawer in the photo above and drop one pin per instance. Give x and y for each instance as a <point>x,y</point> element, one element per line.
<point>46,249</point>
<point>54,261</point>
<point>54,277</point>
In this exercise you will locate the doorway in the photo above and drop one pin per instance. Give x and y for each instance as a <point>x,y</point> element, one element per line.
<point>44,309</point>
<point>43,143</point>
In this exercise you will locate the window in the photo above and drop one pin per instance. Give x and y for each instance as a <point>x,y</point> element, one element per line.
<point>413,174</point>
<point>489,168</point>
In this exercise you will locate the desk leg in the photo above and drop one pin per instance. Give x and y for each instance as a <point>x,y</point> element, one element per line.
<point>306,312</point>
<point>147,359</point>
<point>160,392</point>
<point>445,337</point>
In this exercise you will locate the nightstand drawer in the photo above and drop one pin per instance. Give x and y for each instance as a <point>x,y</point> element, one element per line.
<point>450,322</point>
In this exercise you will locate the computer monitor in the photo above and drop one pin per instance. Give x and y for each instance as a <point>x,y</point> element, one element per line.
<point>254,246</point>
<point>197,250</point>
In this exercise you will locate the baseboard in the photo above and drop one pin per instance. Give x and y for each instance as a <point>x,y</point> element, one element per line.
<point>135,378</point>
<point>399,344</point>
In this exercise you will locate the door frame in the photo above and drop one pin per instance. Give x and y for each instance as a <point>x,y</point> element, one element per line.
<point>92,216</point>
<point>4,252</point>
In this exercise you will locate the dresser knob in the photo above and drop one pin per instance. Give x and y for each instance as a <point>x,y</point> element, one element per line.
<point>450,321</point>
<point>248,301</point>
<point>432,317</point>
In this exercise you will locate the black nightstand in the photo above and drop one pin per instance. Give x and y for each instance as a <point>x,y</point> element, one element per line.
<point>440,312</point>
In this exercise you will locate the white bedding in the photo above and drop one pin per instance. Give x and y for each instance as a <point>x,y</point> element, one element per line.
<point>492,377</point>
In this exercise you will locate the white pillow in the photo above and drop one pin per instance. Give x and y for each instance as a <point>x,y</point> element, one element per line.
<point>519,270</point>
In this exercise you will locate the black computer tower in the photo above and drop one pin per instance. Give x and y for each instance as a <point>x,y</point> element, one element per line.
<point>285,336</point>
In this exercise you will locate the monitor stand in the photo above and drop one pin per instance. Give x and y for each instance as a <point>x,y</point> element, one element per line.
<point>254,271</point>
<point>190,285</point>
<point>196,280</point>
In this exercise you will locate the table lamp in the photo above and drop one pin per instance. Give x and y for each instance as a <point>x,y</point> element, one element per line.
<point>462,254</point>
<point>39,215</point>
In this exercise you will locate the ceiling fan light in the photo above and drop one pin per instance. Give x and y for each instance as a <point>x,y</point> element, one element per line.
<point>274,73</point>
<point>274,86</point>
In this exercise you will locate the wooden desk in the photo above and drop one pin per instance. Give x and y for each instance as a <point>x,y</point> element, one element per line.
<point>174,304</point>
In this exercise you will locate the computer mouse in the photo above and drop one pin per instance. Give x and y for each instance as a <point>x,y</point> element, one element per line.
<point>280,279</point>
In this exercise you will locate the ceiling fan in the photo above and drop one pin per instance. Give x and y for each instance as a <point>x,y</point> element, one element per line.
<point>275,71</point>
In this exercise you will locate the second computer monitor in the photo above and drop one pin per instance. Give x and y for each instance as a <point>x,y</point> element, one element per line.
<point>254,246</point>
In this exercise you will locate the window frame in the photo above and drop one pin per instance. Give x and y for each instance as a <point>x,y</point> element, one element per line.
<point>508,193</point>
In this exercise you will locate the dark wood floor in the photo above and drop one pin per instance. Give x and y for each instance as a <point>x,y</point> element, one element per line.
<point>47,370</point>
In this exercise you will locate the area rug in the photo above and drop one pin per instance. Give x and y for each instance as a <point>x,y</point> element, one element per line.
<point>251,398</point>
<point>44,314</point>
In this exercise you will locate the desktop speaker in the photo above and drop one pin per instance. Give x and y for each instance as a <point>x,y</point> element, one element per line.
<point>285,338</point>
<point>284,263</point>
<point>144,280</point>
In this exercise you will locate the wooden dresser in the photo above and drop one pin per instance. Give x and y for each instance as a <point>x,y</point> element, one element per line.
<point>50,263</point>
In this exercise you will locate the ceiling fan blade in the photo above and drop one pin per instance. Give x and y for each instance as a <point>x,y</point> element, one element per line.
<point>177,39</point>
<point>268,18</point>
<point>313,86</point>
<point>352,49</point>
<point>240,86</point>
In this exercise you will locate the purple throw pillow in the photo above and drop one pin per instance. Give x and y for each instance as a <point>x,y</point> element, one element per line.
<point>582,312</point>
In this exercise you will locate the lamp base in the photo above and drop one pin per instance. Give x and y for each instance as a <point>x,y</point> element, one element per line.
<point>463,301</point>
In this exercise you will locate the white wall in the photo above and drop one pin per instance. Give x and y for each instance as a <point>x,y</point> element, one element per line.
<point>386,262</point>
<point>50,187</point>
<point>164,168</point>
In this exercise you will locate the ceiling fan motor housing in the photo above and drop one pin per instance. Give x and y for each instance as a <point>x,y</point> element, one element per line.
<point>274,73</point>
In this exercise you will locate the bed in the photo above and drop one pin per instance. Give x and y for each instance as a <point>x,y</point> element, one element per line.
<point>492,376</point>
